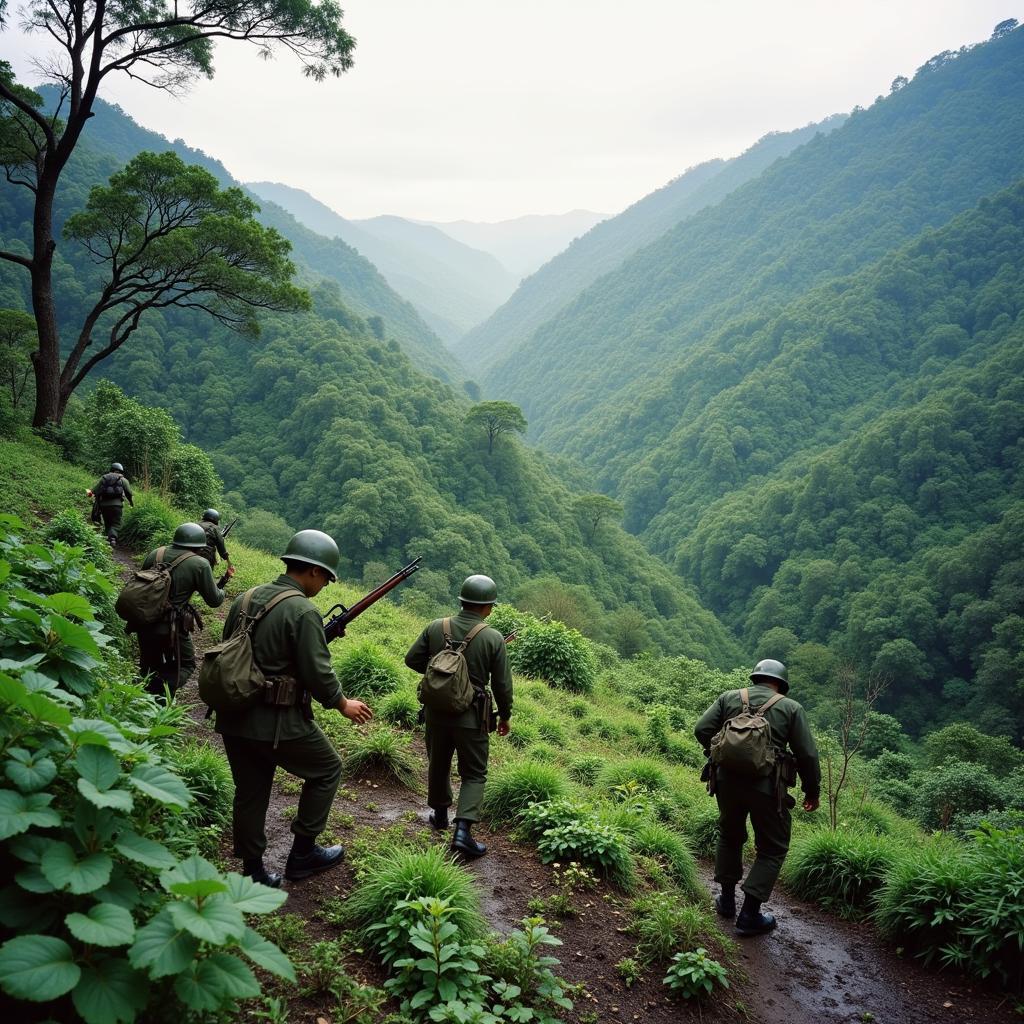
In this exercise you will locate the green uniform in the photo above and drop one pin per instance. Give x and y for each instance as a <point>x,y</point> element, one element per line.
<point>288,642</point>
<point>742,797</point>
<point>214,543</point>
<point>464,735</point>
<point>110,507</point>
<point>165,647</point>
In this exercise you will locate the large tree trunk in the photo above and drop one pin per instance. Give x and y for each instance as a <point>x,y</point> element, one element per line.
<point>46,360</point>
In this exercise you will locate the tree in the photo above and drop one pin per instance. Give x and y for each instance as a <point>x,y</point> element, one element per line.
<point>592,509</point>
<point>166,45</point>
<point>17,343</point>
<point>496,418</point>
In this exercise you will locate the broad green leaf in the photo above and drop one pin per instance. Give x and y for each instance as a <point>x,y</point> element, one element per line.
<point>18,664</point>
<point>69,604</point>
<point>96,732</point>
<point>32,879</point>
<point>144,851</point>
<point>98,766</point>
<point>11,690</point>
<point>44,710</point>
<point>234,978</point>
<point>215,921</point>
<point>21,909</point>
<point>188,870</point>
<point>62,867</point>
<point>161,784</point>
<point>20,811</point>
<point>29,771</point>
<point>104,925</point>
<point>265,954</point>
<point>199,889</point>
<point>37,682</point>
<point>37,967</point>
<point>118,799</point>
<point>163,948</point>
<point>120,890</point>
<point>111,991</point>
<point>252,898</point>
<point>200,988</point>
<point>74,636</point>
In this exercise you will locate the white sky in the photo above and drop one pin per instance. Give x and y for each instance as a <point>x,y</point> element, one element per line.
<point>486,110</point>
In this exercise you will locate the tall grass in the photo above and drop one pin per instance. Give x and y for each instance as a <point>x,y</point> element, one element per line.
<point>383,749</point>
<point>517,785</point>
<point>149,523</point>
<point>664,926</point>
<point>671,849</point>
<point>646,772</point>
<point>366,672</point>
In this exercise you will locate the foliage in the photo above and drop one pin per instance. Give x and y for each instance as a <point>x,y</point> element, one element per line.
<point>325,971</point>
<point>629,971</point>
<point>194,482</point>
<point>646,773</point>
<point>662,923</point>
<point>495,419</point>
<point>555,654</point>
<point>206,772</point>
<point>400,708</point>
<point>961,741</point>
<point>672,850</point>
<point>69,527</point>
<point>365,671</point>
<point>695,974</point>
<point>264,530</point>
<point>592,843</point>
<point>383,749</point>
<point>149,523</point>
<point>17,342</point>
<point>515,786</point>
<point>954,787</point>
<point>585,769</point>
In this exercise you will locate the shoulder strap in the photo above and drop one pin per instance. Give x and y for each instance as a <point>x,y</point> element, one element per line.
<point>478,628</point>
<point>774,699</point>
<point>276,600</point>
<point>181,558</point>
<point>246,600</point>
<point>446,631</point>
<point>159,556</point>
<point>745,697</point>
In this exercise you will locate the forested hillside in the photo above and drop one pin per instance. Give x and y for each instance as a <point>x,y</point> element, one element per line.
<point>452,286</point>
<point>608,244</point>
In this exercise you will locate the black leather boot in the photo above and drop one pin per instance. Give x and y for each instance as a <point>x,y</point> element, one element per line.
<point>463,841</point>
<point>255,870</point>
<point>438,819</point>
<point>303,864</point>
<point>725,902</point>
<point>751,921</point>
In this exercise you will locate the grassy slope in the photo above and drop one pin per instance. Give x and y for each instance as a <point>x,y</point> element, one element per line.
<point>36,482</point>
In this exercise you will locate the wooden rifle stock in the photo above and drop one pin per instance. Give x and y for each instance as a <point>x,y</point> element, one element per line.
<point>340,616</point>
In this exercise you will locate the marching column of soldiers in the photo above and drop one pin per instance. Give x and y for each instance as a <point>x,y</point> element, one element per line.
<point>290,647</point>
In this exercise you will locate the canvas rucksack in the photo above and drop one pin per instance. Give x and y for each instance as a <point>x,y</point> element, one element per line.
<point>145,598</point>
<point>446,685</point>
<point>111,487</point>
<point>743,745</point>
<point>229,678</point>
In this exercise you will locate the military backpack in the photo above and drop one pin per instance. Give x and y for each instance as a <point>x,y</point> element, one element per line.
<point>743,746</point>
<point>111,487</point>
<point>446,685</point>
<point>145,598</point>
<point>229,678</point>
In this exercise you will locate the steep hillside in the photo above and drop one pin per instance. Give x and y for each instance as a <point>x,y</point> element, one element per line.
<point>452,286</point>
<point>608,244</point>
<point>910,162</point>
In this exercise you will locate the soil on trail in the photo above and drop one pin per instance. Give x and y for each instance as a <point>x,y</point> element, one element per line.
<point>814,968</point>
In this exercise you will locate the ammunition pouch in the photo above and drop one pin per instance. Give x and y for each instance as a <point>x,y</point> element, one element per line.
<point>282,692</point>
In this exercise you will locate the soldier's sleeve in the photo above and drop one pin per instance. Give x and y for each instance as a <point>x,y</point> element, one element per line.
<point>501,679</point>
<point>147,562</point>
<point>709,723</point>
<point>221,550</point>
<point>207,586</point>
<point>128,491</point>
<point>805,750</point>
<point>419,654</point>
<point>313,660</point>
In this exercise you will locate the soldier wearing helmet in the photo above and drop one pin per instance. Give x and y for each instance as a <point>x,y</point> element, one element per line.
<point>289,646</point>
<point>214,538</point>
<point>108,497</point>
<point>166,653</point>
<point>465,735</point>
<point>758,793</point>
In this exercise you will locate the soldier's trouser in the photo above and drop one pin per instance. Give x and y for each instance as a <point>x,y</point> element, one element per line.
<point>471,747</point>
<point>158,660</point>
<point>311,758</point>
<point>771,839</point>
<point>111,519</point>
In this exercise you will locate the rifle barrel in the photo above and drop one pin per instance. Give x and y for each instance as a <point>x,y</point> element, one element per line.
<point>335,627</point>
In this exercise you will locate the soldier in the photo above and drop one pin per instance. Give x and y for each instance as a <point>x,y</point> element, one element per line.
<point>108,499</point>
<point>763,799</point>
<point>214,538</point>
<point>165,647</point>
<point>465,734</point>
<point>289,647</point>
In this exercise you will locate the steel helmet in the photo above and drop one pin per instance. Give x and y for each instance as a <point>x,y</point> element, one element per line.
<point>478,590</point>
<point>314,548</point>
<point>211,515</point>
<point>773,670</point>
<point>190,535</point>
<point>116,467</point>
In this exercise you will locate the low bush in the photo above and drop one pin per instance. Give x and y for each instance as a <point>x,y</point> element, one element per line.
<point>839,869</point>
<point>69,527</point>
<point>658,841</point>
<point>545,814</point>
<point>149,523</point>
<point>593,844</point>
<point>382,749</point>
<point>400,708</point>
<point>541,752</point>
<point>578,708</point>
<point>208,776</point>
<point>586,769</point>
<point>522,733</point>
<point>366,672</point>
<point>700,825</point>
<point>662,924</point>
<point>552,732</point>
<point>515,786</point>
<point>644,772</point>
<point>555,654</point>
<point>695,974</point>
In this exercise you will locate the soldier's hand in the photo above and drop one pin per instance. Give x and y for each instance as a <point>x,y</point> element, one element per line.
<point>356,711</point>
<point>503,727</point>
<point>230,571</point>
<point>811,805</point>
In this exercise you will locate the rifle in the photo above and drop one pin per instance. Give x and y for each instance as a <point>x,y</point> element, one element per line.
<point>334,628</point>
<point>227,529</point>
<point>515,632</point>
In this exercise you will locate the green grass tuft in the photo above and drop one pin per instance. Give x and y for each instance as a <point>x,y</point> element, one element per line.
<point>149,523</point>
<point>400,708</point>
<point>366,672</point>
<point>385,750</point>
<point>517,785</point>
<point>645,772</point>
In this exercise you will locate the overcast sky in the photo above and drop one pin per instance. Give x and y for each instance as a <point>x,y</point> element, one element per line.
<point>486,110</point>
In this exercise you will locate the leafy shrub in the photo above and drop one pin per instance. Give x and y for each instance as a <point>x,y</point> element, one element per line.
<point>193,480</point>
<point>69,527</point>
<point>206,772</point>
<point>393,873</point>
<point>695,974</point>
<point>517,785</point>
<point>592,843</point>
<point>954,787</point>
<point>578,708</point>
<point>662,924</point>
<point>149,523</point>
<point>840,869</point>
<point>964,824</point>
<point>365,671</point>
<point>586,769</point>
<point>385,750</point>
<point>555,654</point>
<point>539,817</point>
<point>400,708</point>
<point>263,530</point>
<point>645,772</point>
<point>962,742</point>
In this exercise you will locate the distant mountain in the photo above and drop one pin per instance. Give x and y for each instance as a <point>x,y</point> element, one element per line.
<point>606,245</point>
<point>452,286</point>
<point>363,288</point>
<point>524,243</point>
